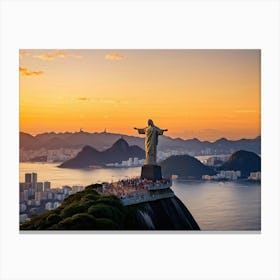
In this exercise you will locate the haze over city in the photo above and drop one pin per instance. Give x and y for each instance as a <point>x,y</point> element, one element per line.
<point>207,94</point>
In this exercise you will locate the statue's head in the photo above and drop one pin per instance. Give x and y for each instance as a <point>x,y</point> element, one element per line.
<point>150,122</point>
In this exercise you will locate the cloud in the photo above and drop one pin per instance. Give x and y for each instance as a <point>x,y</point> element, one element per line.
<point>26,72</point>
<point>22,54</point>
<point>83,98</point>
<point>114,102</point>
<point>51,56</point>
<point>114,56</point>
<point>55,55</point>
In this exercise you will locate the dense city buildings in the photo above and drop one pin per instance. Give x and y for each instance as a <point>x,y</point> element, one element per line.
<point>232,175</point>
<point>38,197</point>
<point>224,175</point>
<point>64,154</point>
<point>131,162</point>
<point>47,155</point>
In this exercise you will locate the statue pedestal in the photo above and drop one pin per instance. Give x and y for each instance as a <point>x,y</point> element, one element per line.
<point>151,172</point>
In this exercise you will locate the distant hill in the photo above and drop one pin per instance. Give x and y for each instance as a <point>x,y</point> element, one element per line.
<point>117,153</point>
<point>27,141</point>
<point>185,166</point>
<point>244,161</point>
<point>102,141</point>
<point>88,210</point>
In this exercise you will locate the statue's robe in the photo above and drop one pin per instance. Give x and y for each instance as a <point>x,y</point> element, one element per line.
<point>151,141</point>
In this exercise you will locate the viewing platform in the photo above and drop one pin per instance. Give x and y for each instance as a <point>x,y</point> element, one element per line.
<point>137,190</point>
<point>146,197</point>
<point>159,186</point>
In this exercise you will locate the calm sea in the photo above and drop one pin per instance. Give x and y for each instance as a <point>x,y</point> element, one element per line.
<point>216,206</point>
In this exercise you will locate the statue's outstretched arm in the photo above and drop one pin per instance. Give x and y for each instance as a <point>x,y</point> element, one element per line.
<point>160,131</point>
<point>140,130</point>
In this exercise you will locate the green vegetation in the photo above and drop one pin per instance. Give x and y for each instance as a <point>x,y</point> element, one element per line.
<point>131,221</point>
<point>185,166</point>
<point>244,161</point>
<point>86,210</point>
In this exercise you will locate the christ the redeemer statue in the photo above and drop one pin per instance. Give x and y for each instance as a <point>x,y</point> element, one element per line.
<point>151,141</point>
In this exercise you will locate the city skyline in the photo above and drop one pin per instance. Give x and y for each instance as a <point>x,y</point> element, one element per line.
<point>204,94</point>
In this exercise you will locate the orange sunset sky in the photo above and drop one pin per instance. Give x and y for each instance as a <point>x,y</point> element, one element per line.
<point>207,94</point>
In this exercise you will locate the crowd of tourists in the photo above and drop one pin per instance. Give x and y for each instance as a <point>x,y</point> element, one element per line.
<point>131,187</point>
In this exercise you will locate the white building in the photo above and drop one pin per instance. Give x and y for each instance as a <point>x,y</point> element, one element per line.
<point>228,175</point>
<point>34,180</point>
<point>49,206</point>
<point>50,195</point>
<point>206,177</point>
<point>66,189</point>
<point>31,202</point>
<point>56,204</point>
<point>37,202</point>
<point>25,195</point>
<point>256,176</point>
<point>44,195</point>
<point>38,196</point>
<point>39,187</point>
<point>59,196</point>
<point>135,161</point>
<point>47,186</point>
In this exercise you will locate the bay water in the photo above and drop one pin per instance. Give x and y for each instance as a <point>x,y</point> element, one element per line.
<point>216,206</point>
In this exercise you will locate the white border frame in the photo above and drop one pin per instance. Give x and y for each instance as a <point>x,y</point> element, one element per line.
<point>140,24</point>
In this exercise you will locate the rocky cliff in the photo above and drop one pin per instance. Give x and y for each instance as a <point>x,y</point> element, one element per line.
<point>164,214</point>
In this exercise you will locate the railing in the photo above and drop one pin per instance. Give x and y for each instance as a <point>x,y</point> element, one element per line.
<point>159,186</point>
<point>145,198</point>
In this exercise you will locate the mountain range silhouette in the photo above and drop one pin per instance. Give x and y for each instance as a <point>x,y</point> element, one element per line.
<point>118,152</point>
<point>104,140</point>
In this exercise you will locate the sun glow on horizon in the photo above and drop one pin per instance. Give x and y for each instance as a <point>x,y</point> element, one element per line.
<point>204,94</point>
